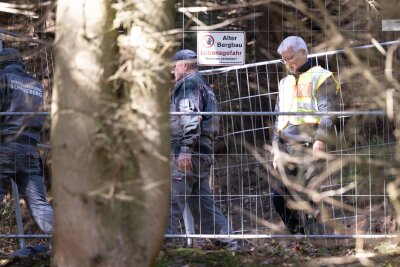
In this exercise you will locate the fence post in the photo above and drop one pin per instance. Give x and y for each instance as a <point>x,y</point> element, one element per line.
<point>189,224</point>
<point>18,216</point>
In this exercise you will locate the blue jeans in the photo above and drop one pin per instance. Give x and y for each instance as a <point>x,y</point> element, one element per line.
<point>193,188</point>
<point>21,163</point>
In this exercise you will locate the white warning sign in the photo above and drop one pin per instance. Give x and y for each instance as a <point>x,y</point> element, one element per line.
<point>391,25</point>
<point>221,48</point>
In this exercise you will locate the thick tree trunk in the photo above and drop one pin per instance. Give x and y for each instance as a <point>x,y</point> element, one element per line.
<point>109,161</point>
<point>392,64</point>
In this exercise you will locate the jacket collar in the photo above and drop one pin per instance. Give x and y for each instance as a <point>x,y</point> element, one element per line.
<point>13,66</point>
<point>184,79</point>
<point>305,67</point>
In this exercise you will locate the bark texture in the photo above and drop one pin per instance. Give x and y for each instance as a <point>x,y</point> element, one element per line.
<point>109,159</point>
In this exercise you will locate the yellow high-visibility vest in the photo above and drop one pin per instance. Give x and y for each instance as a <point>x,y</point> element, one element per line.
<point>300,96</point>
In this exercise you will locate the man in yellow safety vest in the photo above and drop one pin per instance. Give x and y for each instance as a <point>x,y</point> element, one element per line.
<point>307,88</point>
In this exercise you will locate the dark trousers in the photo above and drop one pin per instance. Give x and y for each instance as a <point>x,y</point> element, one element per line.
<point>290,217</point>
<point>21,163</point>
<point>193,188</point>
<point>298,173</point>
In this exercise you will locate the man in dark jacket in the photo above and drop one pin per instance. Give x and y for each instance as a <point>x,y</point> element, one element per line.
<point>19,158</point>
<point>191,149</point>
<point>307,88</point>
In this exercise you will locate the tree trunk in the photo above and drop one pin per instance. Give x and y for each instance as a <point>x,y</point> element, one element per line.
<point>392,65</point>
<point>109,159</point>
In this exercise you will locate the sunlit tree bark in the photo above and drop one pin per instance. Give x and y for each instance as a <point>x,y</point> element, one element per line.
<point>392,64</point>
<point>109,135</point>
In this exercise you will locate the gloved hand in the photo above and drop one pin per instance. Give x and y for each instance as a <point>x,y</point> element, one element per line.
<point>185,162</point>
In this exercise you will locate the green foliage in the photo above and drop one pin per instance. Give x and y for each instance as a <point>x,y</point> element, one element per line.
<point>7,213</point>
<point>387,248</point>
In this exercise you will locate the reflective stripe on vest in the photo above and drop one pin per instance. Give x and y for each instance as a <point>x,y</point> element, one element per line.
<point>300,96</point>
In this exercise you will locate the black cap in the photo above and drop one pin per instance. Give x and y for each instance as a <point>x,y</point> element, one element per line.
<point>10,55</point>
<point>184,55</point>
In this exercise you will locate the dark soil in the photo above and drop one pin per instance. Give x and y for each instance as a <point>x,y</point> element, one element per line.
<point>42,260</point>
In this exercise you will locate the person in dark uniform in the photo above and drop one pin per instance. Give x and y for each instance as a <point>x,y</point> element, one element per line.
<point>19,158</point>
<point>191,149</point>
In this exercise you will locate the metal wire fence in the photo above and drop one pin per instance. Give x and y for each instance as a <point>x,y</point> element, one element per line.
<point>352,193</point>
<point>350,197</point>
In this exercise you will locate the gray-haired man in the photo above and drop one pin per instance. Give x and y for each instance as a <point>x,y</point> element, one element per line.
<point>307,88</point>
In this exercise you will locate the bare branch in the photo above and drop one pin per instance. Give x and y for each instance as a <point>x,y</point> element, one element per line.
<point>221,7</point>
<point>226,22</point>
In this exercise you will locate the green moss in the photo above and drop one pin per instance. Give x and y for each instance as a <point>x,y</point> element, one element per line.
<point>387,248</point>
<point>196,257</point>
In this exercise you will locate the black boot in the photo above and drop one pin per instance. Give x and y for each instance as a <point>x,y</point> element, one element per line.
<point>290,217</point>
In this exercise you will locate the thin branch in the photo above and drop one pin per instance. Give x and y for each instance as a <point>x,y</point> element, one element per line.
<point>16,9</point>
<point>221,7</point>
<point>226,22</point>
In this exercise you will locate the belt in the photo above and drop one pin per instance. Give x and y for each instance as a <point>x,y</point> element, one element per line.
<point>307,144</point>
<point>293,141</point>
<point>22,139</point>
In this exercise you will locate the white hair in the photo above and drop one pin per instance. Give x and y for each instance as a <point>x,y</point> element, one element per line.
<point>295,42</point>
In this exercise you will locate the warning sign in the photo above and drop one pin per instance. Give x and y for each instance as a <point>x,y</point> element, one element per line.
<point>221,48</point>
<point>391,25</point>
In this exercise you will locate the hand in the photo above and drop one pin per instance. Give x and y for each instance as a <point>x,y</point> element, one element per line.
<point>275,161</point>
<point>185,162</point>
<point>318,147</point>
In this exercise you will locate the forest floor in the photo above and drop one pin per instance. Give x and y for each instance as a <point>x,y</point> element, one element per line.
<point>274,253</point>
<point>288,253</point>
